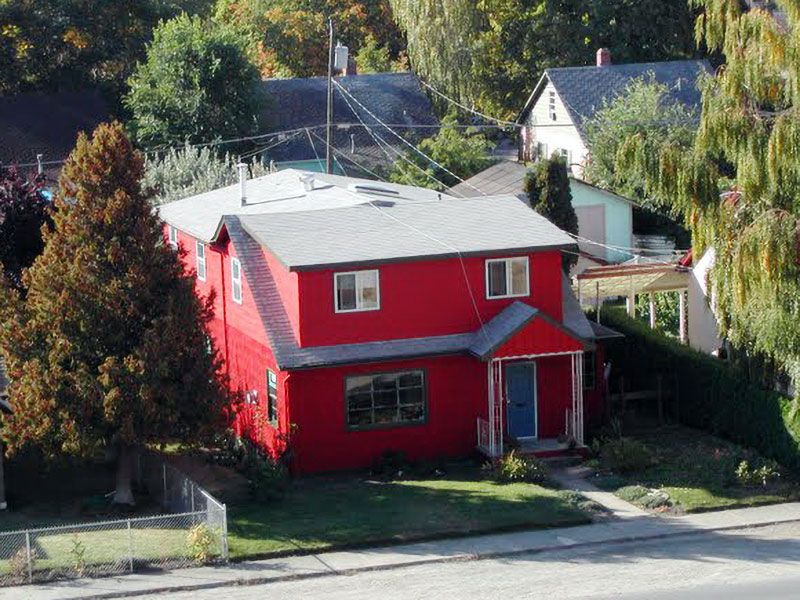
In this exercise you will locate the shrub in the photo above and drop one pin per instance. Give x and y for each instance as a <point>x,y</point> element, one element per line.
<point>268,477</point>
<point>78,553</point>
<point>516,467</point>
<point>751,475</point>
<point>18,563</point>
<point>625,455</point>
<point>200,543</point>
<point>708,393</point>
<point>632,493</point>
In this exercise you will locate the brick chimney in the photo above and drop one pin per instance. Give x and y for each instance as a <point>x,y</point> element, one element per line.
<point>603,57</point>
<point>351,68</point>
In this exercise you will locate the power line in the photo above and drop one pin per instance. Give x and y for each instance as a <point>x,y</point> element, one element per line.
<point>468,109</point>
<point>379,139</point>
<point>406,142</point>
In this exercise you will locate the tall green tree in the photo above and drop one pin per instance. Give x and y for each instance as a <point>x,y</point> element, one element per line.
<point>547,187</point>
<point>738,186</point>
<point>196,84</point>
<point>460,153</point>
<point>24,209</point>
<point>549,194</point>
<point>109,348</point>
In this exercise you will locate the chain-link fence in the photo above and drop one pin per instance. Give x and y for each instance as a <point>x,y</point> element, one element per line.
<point>195,532</point>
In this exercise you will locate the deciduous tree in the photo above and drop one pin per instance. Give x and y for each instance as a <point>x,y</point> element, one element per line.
<point>197,84</point>
<point>739,184</point>
<point>109,349</point>
<point>460,153</point>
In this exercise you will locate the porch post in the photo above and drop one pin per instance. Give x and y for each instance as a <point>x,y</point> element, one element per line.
<point>597,299</point>
<point>682,315</point>
<point>631,297</point>
<point>500,407</point>
<point>490,418</point>
<point>652,310</point>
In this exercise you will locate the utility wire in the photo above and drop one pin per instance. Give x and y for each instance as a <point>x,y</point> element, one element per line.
<point>468,109</point>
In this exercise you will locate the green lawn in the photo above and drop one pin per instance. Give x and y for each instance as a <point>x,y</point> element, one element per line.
<point>697,471</point>
<point>319,514</point>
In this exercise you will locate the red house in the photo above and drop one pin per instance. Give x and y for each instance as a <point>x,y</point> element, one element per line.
<point>369,316</point>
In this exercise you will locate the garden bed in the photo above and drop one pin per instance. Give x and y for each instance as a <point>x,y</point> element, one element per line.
<point>687,470</point>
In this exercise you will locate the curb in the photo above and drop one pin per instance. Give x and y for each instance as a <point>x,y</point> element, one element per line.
<point>466,557</point>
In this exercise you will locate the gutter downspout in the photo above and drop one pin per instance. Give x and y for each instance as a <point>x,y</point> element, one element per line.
<point>224,313</point>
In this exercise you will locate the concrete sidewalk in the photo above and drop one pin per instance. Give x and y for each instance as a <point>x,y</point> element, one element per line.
<point>472,548</point>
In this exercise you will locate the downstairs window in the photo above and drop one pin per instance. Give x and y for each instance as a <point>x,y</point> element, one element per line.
<point>385,399</point>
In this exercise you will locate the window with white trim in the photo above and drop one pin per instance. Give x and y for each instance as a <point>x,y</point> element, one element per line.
<point>552,105</point>
<point>385,399</point>
<point>236,280</point>
<point>356,291</point>
<point>272,396</point>
<point>507,277</point>
<point>201,261</point>
<point>589,370</point>
<point>173,236</point>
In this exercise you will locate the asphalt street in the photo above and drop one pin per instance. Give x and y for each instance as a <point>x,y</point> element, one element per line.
<point>754,564</point>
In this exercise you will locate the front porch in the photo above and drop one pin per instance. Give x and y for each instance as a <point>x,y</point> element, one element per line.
<point>509,403</point>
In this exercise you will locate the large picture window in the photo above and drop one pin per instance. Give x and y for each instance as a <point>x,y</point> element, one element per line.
<point>359,290</point>
<point>507,277</point>
<point>385,399</point>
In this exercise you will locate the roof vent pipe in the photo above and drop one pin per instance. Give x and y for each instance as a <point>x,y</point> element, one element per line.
<point>307,180</point>
<point>242,168</point>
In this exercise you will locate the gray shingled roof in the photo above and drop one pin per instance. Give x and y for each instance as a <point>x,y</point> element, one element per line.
<point>289,355</point>
<point>504,178</point>
<point>200,216</point>
<point>47,124</point>
<point>367,234</point>
<point>395,98</point>
<point>583,89</point>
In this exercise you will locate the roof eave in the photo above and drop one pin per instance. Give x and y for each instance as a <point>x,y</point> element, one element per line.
<point>422,257</point>
<point>537,90</point>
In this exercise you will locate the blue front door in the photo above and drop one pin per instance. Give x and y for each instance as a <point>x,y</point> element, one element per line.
<point>521,398</point>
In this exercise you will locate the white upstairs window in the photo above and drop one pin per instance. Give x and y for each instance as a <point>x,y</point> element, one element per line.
<point>507,277</point>
<point>173,237</point>
<point>236,280</point>
<point>356,291</point>
<point>201,261</point>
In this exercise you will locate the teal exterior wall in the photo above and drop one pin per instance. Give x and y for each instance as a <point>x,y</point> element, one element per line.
<point>618,216</point>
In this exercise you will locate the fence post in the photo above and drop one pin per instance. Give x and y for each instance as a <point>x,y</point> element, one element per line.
<point>130,546</point>
<point>225,532</point>
<point>28,548</point>
<point>164,478</point>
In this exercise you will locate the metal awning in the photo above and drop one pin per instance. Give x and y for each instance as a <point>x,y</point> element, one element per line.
<point>623,280</point>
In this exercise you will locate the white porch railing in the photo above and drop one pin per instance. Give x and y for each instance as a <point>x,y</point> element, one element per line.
<point>485,438</point>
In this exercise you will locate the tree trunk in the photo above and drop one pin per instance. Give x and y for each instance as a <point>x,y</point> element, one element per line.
<point>123,494</point>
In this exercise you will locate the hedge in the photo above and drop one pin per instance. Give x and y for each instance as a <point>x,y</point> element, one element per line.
<point>707,393</point>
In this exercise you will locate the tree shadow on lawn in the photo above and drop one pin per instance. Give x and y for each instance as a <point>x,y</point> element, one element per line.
<point>322,515</point>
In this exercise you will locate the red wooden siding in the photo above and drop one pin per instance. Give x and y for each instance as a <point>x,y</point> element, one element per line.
<point>419,299</point>
<point>538,337</point>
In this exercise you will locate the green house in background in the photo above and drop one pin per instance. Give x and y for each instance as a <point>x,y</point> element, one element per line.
<point>605,219</point>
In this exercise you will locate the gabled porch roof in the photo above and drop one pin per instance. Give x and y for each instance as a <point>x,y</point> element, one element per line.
<point>521,329</point>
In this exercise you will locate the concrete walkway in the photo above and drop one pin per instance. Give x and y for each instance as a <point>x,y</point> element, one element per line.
<point>574,478</point>
<point>473,548</point>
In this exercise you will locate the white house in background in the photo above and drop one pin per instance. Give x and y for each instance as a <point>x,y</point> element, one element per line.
<point>565,98</point>
<point>703,330</point>
<point>604,218</point>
